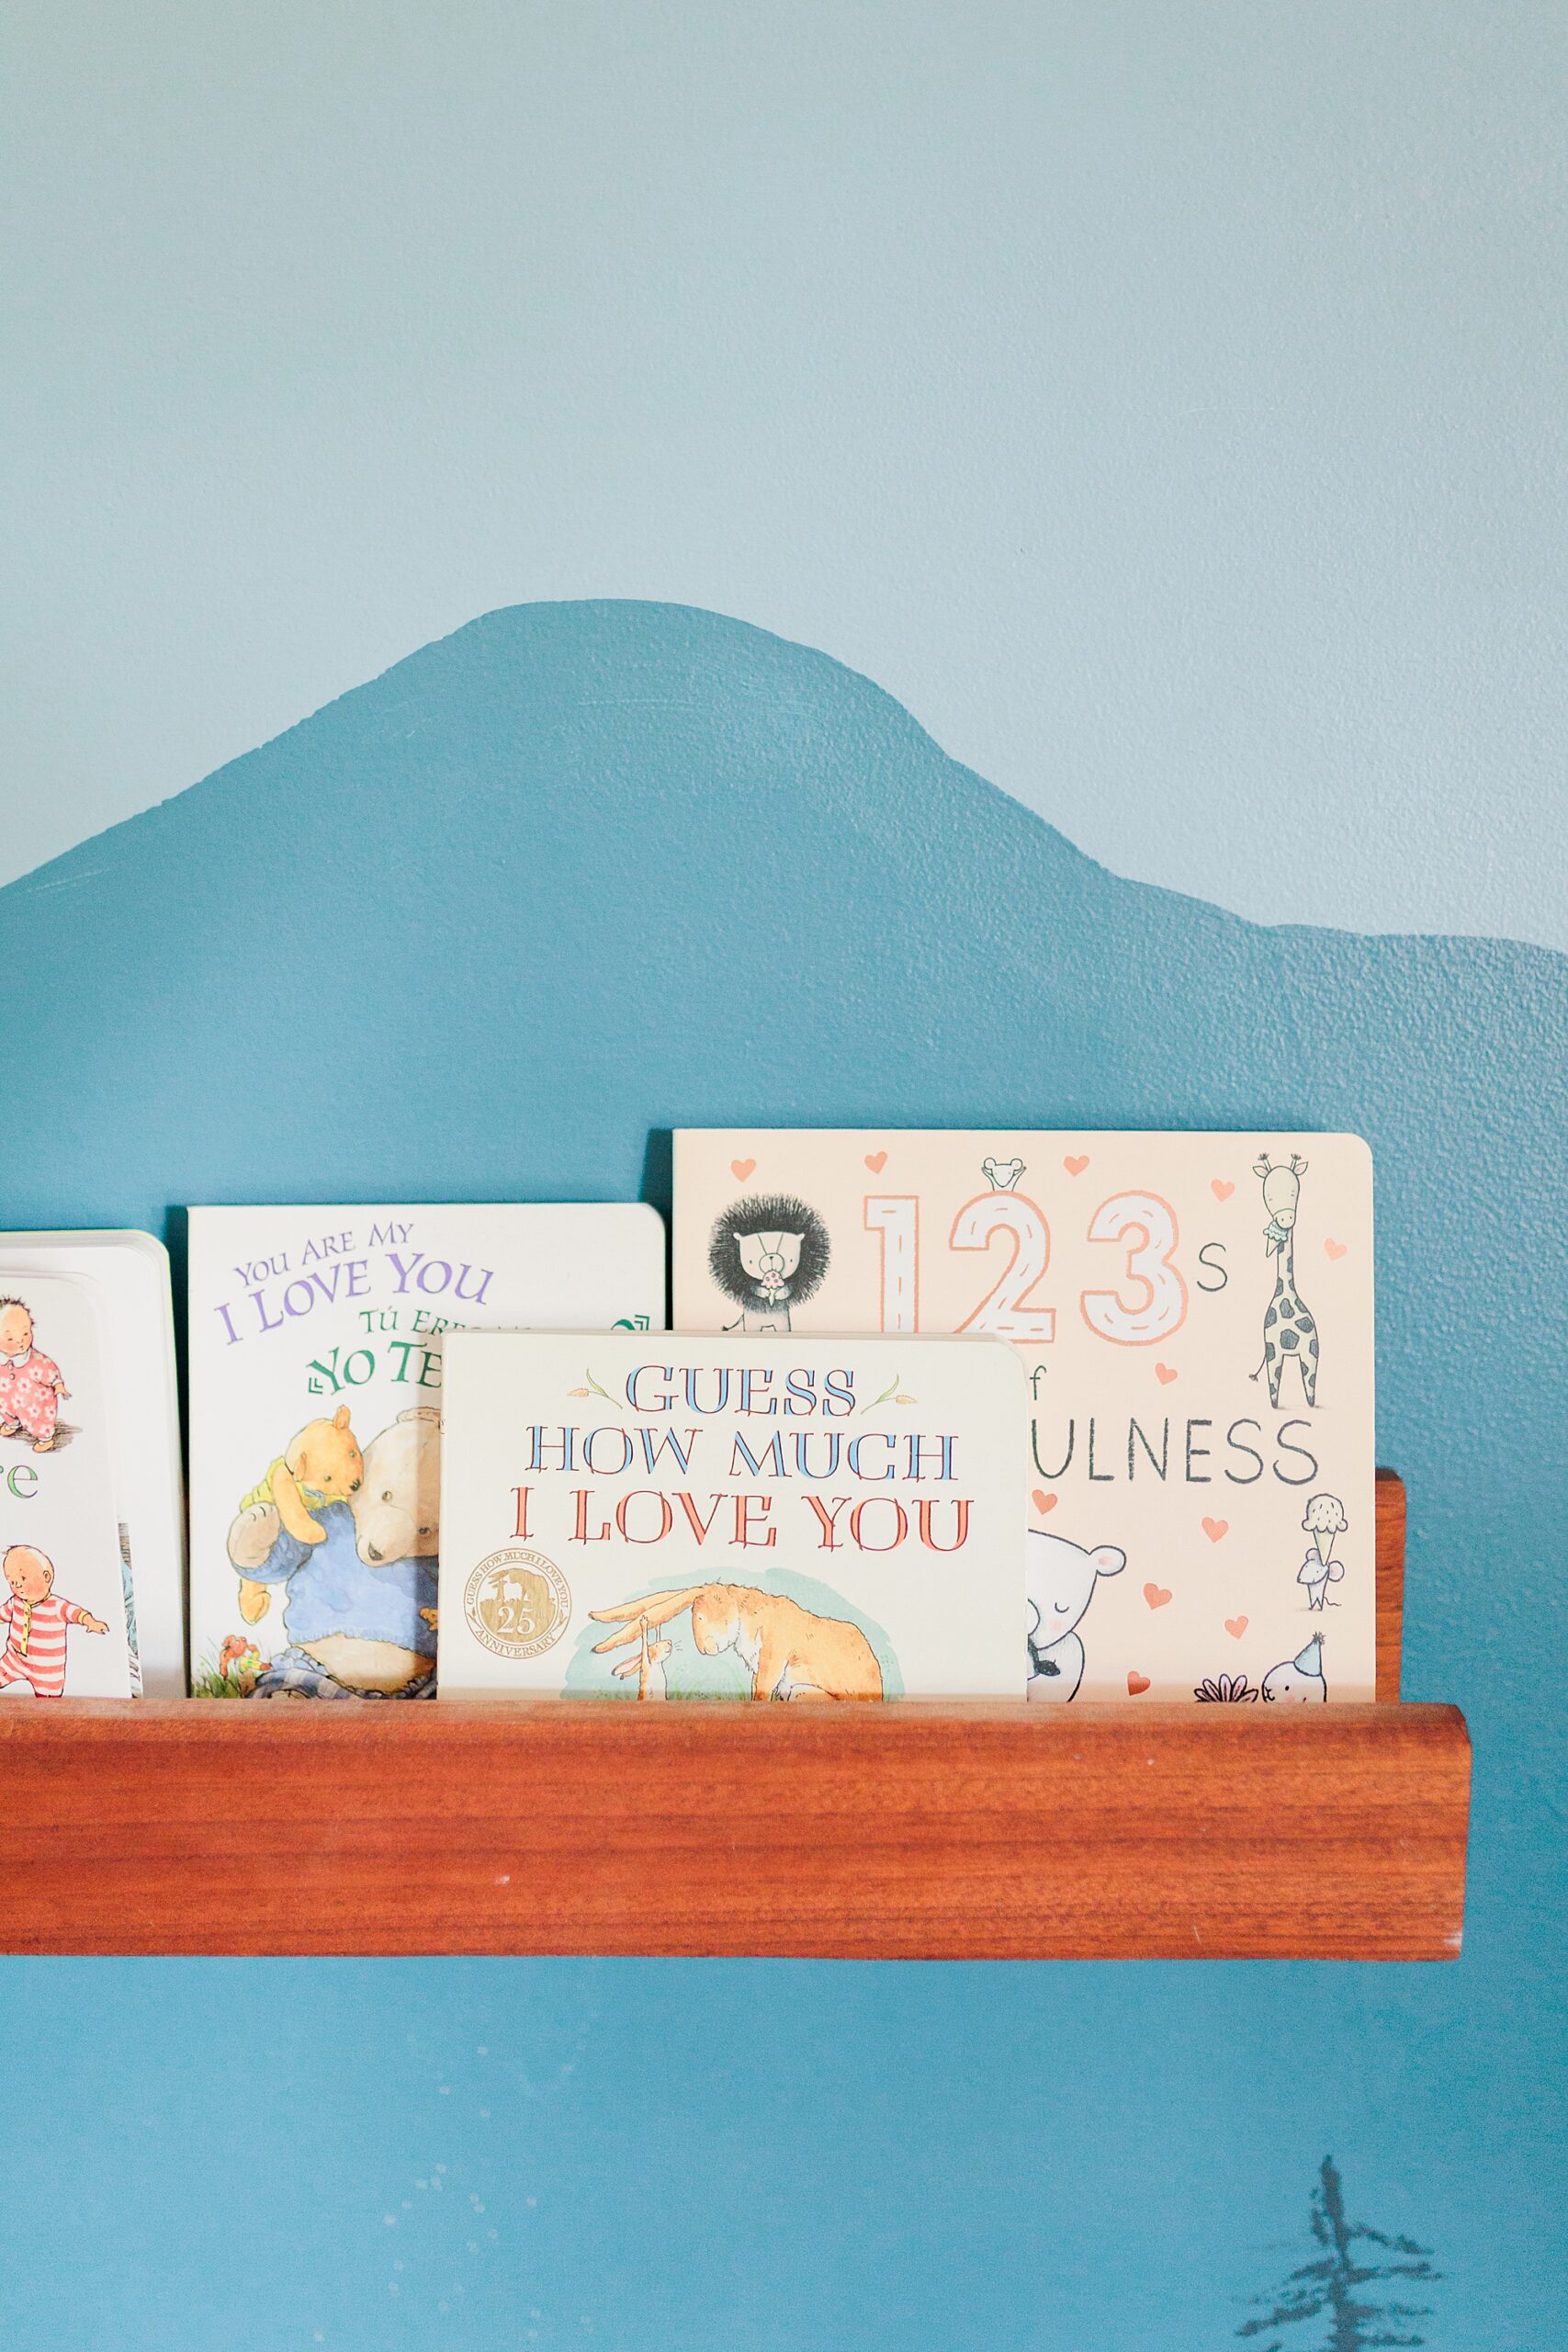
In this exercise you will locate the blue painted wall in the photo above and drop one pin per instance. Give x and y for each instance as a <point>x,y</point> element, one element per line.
<point>1164,400</point>
<point>488,928</point>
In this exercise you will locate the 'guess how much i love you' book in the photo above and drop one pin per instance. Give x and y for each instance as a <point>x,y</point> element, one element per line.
<point>731,1518</point>
<point>1194,1314</point>
<point>316,1371</point>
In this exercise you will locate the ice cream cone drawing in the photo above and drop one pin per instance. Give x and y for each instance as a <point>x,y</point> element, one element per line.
<point>1324,1520</point>
<point>789,1652</point>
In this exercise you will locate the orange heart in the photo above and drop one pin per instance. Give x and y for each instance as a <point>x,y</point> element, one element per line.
<point>1215,1527</point>
<point>1156,1595</point>
<point>1337,1248</point>
<point>1042,1503</point>
<point>877,1162</point>
<point>1236,1627</point>
<point>1220,1189</point>
<point>1165,1374</point>
<point>741,1168</point>
<point>1076,1162</point>
<point>1137,1682</point>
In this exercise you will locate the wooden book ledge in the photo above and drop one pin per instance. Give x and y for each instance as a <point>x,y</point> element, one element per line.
<point>911,1831</point>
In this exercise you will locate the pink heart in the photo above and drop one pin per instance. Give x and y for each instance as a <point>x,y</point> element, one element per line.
<point>877,1162</point>
<point>1236,1627</point>
<point>1074,1163</point>
<point>1220,1189</point>
<point>741,1168</point>
<point>1337,1248</point>
<point>1215,1527</point>
<point>1165,1374</point>
<point>1156,1595</point>
<point>1042,1503</point>
<point>1137,1682</point>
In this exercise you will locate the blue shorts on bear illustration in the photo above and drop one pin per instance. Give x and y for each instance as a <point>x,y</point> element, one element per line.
<point>295,1674</point>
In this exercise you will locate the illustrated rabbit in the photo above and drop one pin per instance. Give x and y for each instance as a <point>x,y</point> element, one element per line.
<point>789,1652</point>
<point>648,1665</point>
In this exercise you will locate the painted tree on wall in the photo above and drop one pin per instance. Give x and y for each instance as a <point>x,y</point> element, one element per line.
<point>1334,2287</point>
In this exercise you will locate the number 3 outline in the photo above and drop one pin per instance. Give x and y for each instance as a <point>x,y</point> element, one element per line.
<point>1104,1309</point>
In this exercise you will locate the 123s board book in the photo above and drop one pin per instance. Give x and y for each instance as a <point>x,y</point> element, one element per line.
<point>1194,1314</point>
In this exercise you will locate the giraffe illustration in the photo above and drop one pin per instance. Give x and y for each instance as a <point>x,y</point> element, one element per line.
<point>1290,1334</point>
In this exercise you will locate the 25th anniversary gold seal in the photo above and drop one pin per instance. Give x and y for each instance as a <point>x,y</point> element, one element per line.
<point>517,1602</point>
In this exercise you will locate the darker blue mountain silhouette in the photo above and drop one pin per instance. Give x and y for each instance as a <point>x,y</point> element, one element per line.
<point>581,873</point>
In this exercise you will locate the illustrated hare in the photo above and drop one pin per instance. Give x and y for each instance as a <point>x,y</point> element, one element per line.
<point>648,1665</point>
<point>788,1652</point>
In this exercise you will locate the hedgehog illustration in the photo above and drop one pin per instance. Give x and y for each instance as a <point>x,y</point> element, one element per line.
<point>767,1255</point>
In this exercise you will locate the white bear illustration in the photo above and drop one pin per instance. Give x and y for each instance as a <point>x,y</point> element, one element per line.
<point>1059,1581</point>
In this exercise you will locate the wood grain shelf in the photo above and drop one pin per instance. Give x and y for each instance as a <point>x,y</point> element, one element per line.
<point>993,1830</point>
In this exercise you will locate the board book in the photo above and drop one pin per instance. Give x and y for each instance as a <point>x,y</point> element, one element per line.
<point>1194,1314</point>
<point>64,1578</point>
<point>316,1370</point>
<point>124,1275</point>
<point>758,1517</point>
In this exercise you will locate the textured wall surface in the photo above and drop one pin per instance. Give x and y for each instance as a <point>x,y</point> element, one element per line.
<point>487,929</point>
<point>1164,402</point>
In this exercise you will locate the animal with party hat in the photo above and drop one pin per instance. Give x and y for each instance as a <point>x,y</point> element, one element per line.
<point>1299,1677</point>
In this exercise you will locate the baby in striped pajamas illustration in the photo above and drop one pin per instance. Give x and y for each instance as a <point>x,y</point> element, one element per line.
<point>35,1619</point>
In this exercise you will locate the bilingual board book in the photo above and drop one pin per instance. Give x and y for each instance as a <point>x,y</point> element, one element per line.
<point>63,1598</point>
<point>125,1276</point>
<point>1194,1314</point>
<point>767,1518</point>
<point>316,1370</point>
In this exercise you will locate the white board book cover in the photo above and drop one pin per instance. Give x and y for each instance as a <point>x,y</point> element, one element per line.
<point>731,1518</point>
<point>62,1597</point>
<point>128,1275</point>
<point>1194,1316</point>
<point>316,1349</point>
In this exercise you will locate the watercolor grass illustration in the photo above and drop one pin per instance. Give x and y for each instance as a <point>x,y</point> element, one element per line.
<point>232,1674</point>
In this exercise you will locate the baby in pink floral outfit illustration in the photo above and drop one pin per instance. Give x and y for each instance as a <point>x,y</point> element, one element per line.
<point>31,1390</point>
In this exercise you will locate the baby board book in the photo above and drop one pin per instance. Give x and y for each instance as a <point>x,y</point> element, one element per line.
<point>316,1366</point>
<point>1194,1317</point>
<point>63,1599</point>
<point>125,1276</point>
<point>767,1518</point>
